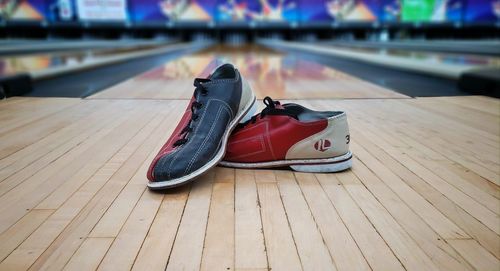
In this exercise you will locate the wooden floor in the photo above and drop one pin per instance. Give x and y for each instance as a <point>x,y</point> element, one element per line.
<point>423,193</point>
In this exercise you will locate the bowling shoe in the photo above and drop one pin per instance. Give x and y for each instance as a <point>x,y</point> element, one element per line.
<point>291,135</point>
<point>198,142</point>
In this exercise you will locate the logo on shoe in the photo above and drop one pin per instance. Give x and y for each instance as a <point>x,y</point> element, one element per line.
<point>322,145</point>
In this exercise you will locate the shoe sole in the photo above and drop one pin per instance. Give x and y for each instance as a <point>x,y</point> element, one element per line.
<point>242,112</point>
<point>334,164</point>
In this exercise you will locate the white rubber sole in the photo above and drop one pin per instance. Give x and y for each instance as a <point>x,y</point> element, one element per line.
<point>217,158</point>
<point>334,164</point>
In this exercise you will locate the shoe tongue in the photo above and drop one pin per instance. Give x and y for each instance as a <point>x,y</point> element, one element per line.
<point>281,110</point>
<point>279,106</point>
<point>223,72</point>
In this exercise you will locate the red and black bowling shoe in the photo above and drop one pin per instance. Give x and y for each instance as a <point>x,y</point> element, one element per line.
<point>291,135</point>
<point>198,142</point>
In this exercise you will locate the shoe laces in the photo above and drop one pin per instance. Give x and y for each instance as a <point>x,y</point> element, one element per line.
<point>199,90</point>
<point>270,109</point>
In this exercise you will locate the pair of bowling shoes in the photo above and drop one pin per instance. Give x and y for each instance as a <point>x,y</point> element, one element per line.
<point>216,130</point>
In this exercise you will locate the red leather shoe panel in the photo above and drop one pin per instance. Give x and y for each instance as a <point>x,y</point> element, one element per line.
<point>269,138</point>
<point>169,145</point>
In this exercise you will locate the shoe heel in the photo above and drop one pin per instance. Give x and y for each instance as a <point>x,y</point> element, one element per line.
<point>250,113</point>
<point>317,168</point>
<point>247,97</point>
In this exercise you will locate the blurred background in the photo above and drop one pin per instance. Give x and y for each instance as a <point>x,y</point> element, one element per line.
<point>290,19</point>
<point>454,43</point>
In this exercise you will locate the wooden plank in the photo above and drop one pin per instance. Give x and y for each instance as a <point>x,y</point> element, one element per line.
<point>446,120</point>
<point>89,255</point>
<point>344,250</point>
<point>473,178</point>
<point>460,217</point>
<point>123,251</point>
<point>28,194</point>
<point>83,138</point>
<point>440,223</point>
<point>475,254</point>
<point>110,224</point>
<point>10,142</point>
<point>314,254</point>
<point>16,234</point>
<point>470,117</point>
<point>280,246</point>
<point>483,214</point>
<point>408,252</point>
<point>431,126</point>
<point>114,218</point>
<point>31,110</point>
<point>459,144</point>
<point>443,256</point>
<point>158,243</point>
<point>435,122</point>
<point>250,252</point>
<point>429,161</point>
<point>36,244</point>
<point>479,162</point>
<point>224,175</point>
<point>473,207</point>
<point>111,179</point>
<point>374,248</point>
<point>46,150</point>
<point>218,252</point>
<point>400,138</point>
<point>425,150</point>
<point>470,103</point>
<point>264,176</point>
<point>467,142</point>
<point>188,246</point>
<point>484,101</point>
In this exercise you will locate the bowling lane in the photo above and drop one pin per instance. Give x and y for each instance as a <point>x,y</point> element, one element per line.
<point>10,65</point>
<point>270,73</point>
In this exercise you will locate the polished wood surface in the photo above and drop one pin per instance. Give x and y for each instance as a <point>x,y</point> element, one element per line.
<point>423,193</point>
<point>270,73</point>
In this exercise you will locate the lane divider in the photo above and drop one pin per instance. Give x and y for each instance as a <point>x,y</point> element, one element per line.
<point>31,47</point>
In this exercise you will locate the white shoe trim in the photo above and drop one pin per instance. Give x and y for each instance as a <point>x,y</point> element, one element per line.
<point>298,163</point>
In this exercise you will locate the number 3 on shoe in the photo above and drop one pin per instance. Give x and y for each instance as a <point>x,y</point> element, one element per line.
<point>199,141</point>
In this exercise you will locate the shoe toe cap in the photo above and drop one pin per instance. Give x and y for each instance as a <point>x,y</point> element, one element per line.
<point>172,166</point>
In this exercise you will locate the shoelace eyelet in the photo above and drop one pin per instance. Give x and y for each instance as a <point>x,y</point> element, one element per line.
<point>180,142</point>
<point>198,83</point>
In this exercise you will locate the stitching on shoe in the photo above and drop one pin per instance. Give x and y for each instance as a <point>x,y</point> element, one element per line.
<point>175,153</point>
<point>230,111</point>
<point>268,138</point>
<point>258,138</point>
<point>204,141</point>
<point>197,128</point>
